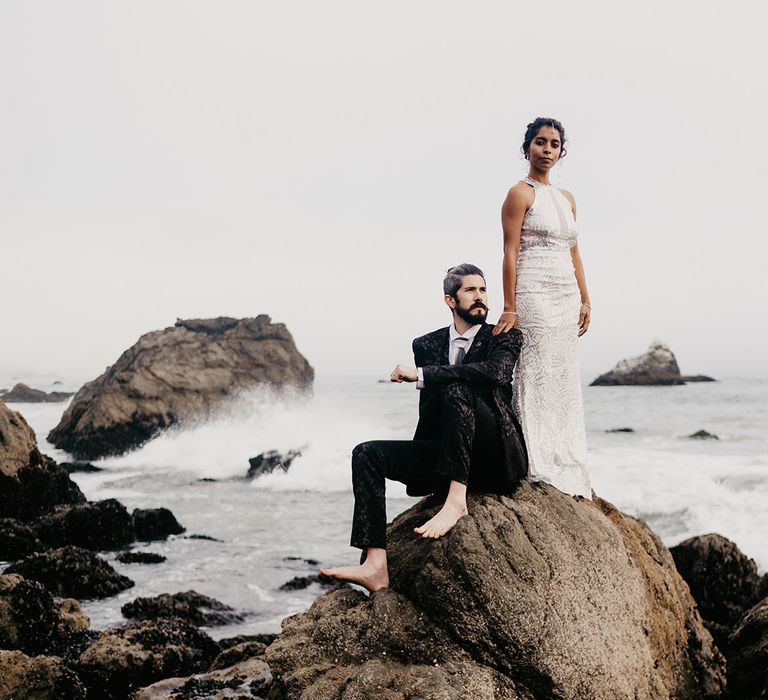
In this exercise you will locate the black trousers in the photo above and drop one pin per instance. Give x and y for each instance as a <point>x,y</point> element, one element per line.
<point>469,451</point>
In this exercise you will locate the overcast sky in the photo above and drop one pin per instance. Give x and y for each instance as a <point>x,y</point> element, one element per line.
<point>325,162</point>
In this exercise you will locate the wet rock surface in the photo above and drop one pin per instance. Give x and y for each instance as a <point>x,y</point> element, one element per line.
<point>176,375</point>
<point>191,606</point>
<point>17,540</point>
<point>155,524</point>
<point>657,366</point>
<point>33,621</point>
<point>140,558</point>
<point>722,579</point>
<point>536,596</point>
<point>126,658</point>
<point>298,583</point>
<point>248,680</point>
<point>97,526</point>
<point>748,655</point>
<point>72,571</point>
<point>267,462</point>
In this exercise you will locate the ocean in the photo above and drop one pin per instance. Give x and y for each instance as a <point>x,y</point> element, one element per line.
<point>265,530</point>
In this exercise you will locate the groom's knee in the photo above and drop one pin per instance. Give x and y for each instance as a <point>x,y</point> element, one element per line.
<point>364,457</point>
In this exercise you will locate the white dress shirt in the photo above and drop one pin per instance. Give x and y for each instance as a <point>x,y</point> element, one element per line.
<point>453,347</point>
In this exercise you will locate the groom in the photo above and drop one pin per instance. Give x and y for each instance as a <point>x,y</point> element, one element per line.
<point>467,434</point>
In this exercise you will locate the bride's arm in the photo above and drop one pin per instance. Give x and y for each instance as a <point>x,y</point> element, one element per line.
<point>512,215</point>
<point>581,280</point>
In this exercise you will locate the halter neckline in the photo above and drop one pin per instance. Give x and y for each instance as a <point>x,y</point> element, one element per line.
<point>534,183</point>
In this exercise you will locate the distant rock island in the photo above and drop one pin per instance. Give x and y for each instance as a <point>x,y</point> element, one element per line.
<point>21,393</point>
<point>175,375</point>
<point>657,367</point>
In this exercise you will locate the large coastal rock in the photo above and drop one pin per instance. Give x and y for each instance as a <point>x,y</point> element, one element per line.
<point>30,483</point>
<point>175,375</point>
<point>657,366</point>
<point>535,596</point>
<point>21,393</point>
<point>724,581</point>
<point>190,606</point>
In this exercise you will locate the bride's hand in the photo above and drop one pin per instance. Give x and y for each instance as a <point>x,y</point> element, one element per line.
<point>506,322</point>
<point>584,315</point>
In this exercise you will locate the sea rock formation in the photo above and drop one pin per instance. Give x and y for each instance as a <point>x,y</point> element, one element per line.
<point>723,581</point>
<point>21,393</point>
<point>269,461</point>
<point>30,483</point>
<point>176,375</point>
<point>72,571</point>
<point>140,558</point>
<point>248,680</point>
<point>657,366</point>
<point>138,654</point>
<point>95,525</point>
<point>32,621</point>
<point>748,655</point>
<point>538,595</point>
<point>155,524</point>
<point>17,540</point>
<point>190,606</point>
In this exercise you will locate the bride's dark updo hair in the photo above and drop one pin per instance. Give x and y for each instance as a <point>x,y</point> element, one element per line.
<point>533,128</point>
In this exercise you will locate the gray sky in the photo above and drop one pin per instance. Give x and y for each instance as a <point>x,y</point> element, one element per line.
<point>325,162</point>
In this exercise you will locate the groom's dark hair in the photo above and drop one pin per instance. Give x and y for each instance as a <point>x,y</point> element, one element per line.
<point>452,281</point>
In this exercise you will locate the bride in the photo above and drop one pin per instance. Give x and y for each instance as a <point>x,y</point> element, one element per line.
<point>546,297</point>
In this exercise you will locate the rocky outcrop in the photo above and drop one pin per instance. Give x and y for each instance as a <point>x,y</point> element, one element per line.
<point>657,366</point>
<point>95,525</point>
<point>32,621</point>
<point>536,596</point>
<point>30,483</point>
<point>267,462</point>
<point>723,581</point>
<point>190,606</point>
<point>21,393</point>
<point>703,435</point>
<point>155,524</point>
<point>249,680</point>
<point>140,558</point>
<point>72,571</point>
<point>17,540</point>
<point>298,583</point>
<point>748,655</point>
<point>176,375</point>
<point>139,654</point>
<point>40,678</point>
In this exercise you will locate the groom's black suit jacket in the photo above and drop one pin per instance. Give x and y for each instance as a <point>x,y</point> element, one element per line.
<point>487,368</point>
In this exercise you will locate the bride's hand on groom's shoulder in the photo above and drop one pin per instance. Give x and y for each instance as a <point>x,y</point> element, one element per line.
<point>506,322</point>
<point>404,373</point>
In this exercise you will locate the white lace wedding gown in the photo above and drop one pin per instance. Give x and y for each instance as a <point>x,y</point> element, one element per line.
<point>547,384</point>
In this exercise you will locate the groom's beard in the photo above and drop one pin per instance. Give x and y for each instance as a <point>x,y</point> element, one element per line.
<point>475,314</point>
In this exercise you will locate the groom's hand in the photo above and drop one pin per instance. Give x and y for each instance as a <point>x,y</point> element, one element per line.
<point>404,373</point>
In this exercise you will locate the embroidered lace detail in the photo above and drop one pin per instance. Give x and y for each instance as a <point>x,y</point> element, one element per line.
<point>548,399</point>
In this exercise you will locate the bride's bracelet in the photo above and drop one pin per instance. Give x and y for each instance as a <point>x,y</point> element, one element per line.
<point>584,303</point>
<point>504,313</point>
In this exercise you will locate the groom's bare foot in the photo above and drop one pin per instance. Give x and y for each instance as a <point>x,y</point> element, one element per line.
<point>443,521</point>
<point>366,575</point>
